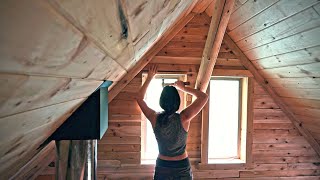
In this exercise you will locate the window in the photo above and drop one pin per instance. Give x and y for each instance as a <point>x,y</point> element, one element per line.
<point>149,147</point>
<point>226,121</point>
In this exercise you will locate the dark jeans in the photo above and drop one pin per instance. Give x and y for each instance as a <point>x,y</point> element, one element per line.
<point>173,170</point>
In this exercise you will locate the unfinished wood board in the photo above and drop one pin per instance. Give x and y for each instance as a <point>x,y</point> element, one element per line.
<point>302,102</point>
<point>303,21</point>
<point>194,60</point>
<point>277,12</point>
<point>304,70</point>
<point>264,102</point>
<point>23,123</point>
<point>149,15</point>
<point>107,69</point>
<point>202,5</point>
<point>303,82</point>
<point>26,131</point>
<point>227,72</point>
<point>36,40</point>
<point>309,112</point>
<point>296,42</point>
<point>38,163</point>
<point>261,80</point>
<point>21,93</point>
<point>154,18</point>
<point>304,56</point>
<point>93,16</point>
<point>242,14</point>
<point>167,36</point>
<point>218,25</point>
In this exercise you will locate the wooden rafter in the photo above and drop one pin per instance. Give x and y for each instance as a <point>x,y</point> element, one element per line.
<point>267,87</point>
<point>202,6</point>
<point>149,55</point>
<point>219,21</point>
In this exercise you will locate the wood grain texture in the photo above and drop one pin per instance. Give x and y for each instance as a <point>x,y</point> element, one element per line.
<point>47,45</point>
<point>274,136</point>
<point>23,133</point>
<point>22,93</point>
<point>147,57</point>
<point>296,42</point>
<point>300,57</point>
<point>300,22</point>
<point>202,5</point>
<point>89,21</point>
<point>279,11</point>
<point>242,14</point>
<point>260,79</point>
<point>37,164</point>
<point>218,25</point>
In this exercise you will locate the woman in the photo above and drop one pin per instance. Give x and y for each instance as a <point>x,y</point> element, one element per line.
<point>171,128</point>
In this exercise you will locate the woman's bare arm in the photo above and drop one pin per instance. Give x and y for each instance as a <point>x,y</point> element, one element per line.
<point>147,111</point>
<point>192,110</point>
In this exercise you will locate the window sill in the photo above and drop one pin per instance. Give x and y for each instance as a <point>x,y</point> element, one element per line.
<point>148,161</point>
<point>226,161</point>
<point>223,165</point>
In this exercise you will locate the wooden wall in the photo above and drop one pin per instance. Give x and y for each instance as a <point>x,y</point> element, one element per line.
<point>55,53</point>
<point>282,39</point>
<point>278,148</point>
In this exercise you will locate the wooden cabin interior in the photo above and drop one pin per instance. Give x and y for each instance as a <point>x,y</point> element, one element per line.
<point>55,53</point>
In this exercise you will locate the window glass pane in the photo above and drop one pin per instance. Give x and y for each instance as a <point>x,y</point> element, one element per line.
<point>223,119</point>
<point>152,99</point>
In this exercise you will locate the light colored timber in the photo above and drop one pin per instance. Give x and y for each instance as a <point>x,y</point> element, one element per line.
<point>242,14</point>
<point>167,36</point>
<point>202,6</point>
<point>295,121</point>
<point>25,132</point>
<point>205,133</point>
<point>193,60</point>
<point>274,14</point>
<point>20,93</point>
<point>300,22</point>
<point>218,25</point>
<point>38,163</point>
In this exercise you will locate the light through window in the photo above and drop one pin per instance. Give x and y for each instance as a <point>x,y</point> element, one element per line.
<point>224,120</point>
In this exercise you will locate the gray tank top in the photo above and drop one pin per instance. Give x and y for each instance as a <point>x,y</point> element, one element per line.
<point>171,136</point>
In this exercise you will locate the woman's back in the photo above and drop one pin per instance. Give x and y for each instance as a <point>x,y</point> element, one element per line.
<point>170,135</point>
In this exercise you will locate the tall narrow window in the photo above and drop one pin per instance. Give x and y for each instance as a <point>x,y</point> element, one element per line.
<point>149,147</point>
<point>225,120</point>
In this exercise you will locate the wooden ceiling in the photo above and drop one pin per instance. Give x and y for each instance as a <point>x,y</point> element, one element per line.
<point>282,39</point>
<point>55,53</point>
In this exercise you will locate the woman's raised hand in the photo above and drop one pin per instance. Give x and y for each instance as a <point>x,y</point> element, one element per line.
<point>179,85</point>
<point>153,69</point>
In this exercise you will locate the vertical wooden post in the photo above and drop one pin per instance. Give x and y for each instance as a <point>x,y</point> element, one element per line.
<point>219,21</point>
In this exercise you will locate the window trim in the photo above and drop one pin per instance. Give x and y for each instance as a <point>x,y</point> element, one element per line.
<point>246,128</point>
<point>240,107</point>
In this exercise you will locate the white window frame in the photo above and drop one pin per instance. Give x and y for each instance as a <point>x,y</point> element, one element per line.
<point>246,119</point>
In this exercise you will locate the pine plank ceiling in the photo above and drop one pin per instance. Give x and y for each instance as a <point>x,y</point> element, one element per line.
<point>55,53</point>
<point>282,39</point>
